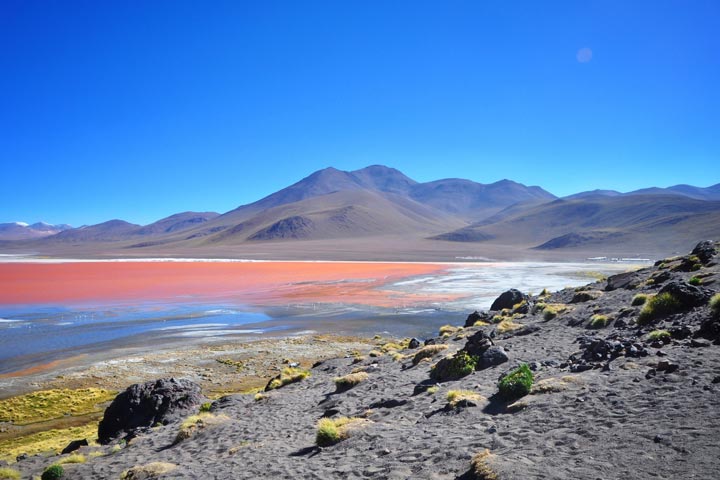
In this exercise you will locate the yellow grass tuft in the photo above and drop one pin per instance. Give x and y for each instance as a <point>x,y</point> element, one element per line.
<point>507,326</point>
<point>195,423</point>
<point>548,385</point>
<point>456,396</point>
<point>428,351</point>
<point>74,458</point>
<point>331,431</point>
<point>350,380</point>
<point>151,470</point>
<point>480,468</point>
<point>287,376</point>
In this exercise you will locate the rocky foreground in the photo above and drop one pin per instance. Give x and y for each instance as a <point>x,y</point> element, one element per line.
<point>626,384</point>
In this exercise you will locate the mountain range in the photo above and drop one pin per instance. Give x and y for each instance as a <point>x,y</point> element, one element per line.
<point>378,207</point>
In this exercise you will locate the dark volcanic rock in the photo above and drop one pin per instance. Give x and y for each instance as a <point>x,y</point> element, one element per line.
<point>414,343</point>
<point>146,404</point>
<point>710,329</point>
<point>494,355</point>
<point>626,280</point>
<point>74,445</point>
<point>475,317</point>
<point>508,299</point>
<point>705,250</point>
<point>478,343</point>
<point>688,295</point>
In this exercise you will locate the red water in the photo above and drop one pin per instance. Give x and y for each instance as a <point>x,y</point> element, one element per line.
<point>268,283</point>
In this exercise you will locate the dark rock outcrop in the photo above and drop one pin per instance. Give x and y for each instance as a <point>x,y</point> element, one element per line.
<point>145,404</point>
<point>688,295</point>
<point>475,317</point>
<point>74,445</point>
<point>494,355</point>
<point>705,251</point>
<point>627,280</point>
<point>508,299</point>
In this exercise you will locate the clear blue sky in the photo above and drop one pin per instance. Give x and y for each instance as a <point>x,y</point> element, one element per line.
<point>140,109</point>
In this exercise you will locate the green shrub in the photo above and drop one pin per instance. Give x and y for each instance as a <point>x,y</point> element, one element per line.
<point>658,335</point>
<point>715,304</point>
<point>452,368</point>
<point>658,306</point>
<point>639,299</point>
<point>205,407</point>
<point>517,383</point>
<point>599,321</point>
<point>7,473</point>
<point>695,281</point>
<point>53,472</point>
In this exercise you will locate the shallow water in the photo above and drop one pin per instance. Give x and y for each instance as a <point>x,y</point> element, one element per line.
<point>392,299</point>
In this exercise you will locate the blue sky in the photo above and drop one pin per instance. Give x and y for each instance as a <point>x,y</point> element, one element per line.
<point>137,110</point>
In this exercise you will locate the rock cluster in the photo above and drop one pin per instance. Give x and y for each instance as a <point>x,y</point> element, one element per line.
<point>143,405</point>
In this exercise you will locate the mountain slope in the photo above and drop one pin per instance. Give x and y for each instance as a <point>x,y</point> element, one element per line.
<point>600,221</point>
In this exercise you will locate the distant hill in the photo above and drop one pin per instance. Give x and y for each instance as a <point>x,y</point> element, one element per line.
<point>23,231</point>
<point>599,221</point>
<point>711,193</point>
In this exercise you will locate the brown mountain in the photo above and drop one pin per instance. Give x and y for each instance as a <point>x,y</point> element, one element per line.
<point>667,221</point>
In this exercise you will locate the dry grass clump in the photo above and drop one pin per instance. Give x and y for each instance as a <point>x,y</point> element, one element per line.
<point>599,321</point>
<point>479,467</point>
<point>151,470</point>
<point>428,351</point>
<point>552,310</point>
<point>287,376</point>
<point>331,431</point>
<point>454,397</point>
<point>447,330</point>
<point>7,473</point>
<point>50,404</point>
<point>639,299</point>
<point>548,385</point>
<point>194,423</point>
<point>480,323</point>
<point>349,381</point>
<point>47,441</point>
<point>507,326</point>
<point>74,458</point>
<point>715,304</point>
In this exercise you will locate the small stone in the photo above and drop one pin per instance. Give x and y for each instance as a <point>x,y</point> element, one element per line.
<point>716,379</point>
<point>414,343</point>
<point>698,343</point>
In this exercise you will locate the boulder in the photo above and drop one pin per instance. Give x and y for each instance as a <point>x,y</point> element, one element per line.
<point>478,343</point>
<point>74,445</point>
<point>705,250</point>
<point>414,343</point>
<point>508,299</point>
<point>146,404</point>
<point>627,280</point>
<point>688,295</point>
<point>475,317</point>
<point>494,355</point>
